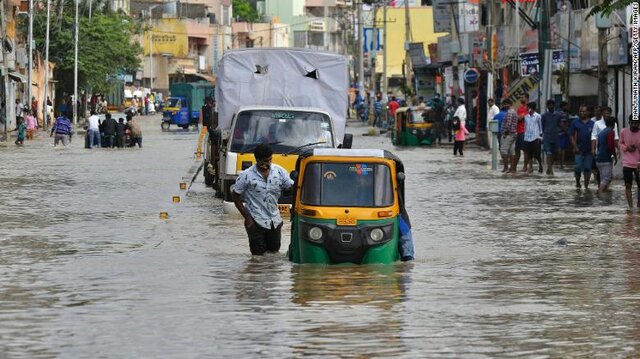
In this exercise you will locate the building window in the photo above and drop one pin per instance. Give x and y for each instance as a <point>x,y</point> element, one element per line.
<point>226,16</point>
<point>300,39</point>
<point>316,39</point>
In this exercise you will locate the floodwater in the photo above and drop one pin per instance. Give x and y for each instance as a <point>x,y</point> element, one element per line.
<point>506,267</point>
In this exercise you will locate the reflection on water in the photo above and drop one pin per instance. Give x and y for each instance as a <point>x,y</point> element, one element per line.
<point>506,266</point>
<point>355,302</point>
<point>381,286</point>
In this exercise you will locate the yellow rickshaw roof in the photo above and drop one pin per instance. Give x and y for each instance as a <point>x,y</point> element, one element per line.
<point>343,152</point>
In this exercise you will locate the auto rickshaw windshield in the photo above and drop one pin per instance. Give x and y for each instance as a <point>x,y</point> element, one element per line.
<point>417,116</point>
<point>174,102</point>
<point>347,184</point>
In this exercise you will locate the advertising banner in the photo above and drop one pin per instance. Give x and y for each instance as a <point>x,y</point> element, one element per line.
<point>169,37</point>
<point>442,15</point>
<point>530,64</point>
<point>468,17</point>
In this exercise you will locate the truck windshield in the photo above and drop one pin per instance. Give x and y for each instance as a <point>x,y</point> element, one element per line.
<point>174,102</point>
<point>369,185</point>
<point>284,130</point>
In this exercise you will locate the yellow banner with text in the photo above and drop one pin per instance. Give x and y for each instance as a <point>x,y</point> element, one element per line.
<point>168,37</point>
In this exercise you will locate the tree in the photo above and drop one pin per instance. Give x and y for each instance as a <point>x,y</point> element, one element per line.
<point>609,6</point>
<point>105,47</point>
<point>243,10</point>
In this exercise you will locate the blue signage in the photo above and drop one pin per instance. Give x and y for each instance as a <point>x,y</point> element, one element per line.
<point>471,76</point>
<point>369,41</point>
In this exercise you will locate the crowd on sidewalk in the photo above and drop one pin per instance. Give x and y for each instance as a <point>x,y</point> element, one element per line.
<point>592,137</point>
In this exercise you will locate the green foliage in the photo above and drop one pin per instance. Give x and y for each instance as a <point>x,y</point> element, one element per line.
<point>105,47</point>
<point>609,6</point>
<point>245,11</point>
<point>407,91</point>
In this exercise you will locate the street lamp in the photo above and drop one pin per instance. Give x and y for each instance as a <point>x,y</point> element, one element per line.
<point>30,47</point>
<point>151,7</point>
<point>75,67</point>
<point>45,114</point>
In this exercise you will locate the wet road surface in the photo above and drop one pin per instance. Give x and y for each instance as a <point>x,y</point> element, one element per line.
<point>506,267</point>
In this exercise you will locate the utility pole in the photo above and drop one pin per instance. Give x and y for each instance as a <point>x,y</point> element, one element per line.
<point>384,83</point>
<point>603,93</point>
<point>455,46</point>
<point>5,70</point>
<point>326,37</point>
<point>372,66</point>
<point>30,47</point>
<point>150,51</point>
<point>45,113</point>
<point>407,42</point>
<point>360,49</point>
<point>75,69</point>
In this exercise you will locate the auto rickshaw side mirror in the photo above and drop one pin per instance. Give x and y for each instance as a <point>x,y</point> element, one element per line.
<point>400,176</point>
<point>347,142</point>
<point>293,175</point>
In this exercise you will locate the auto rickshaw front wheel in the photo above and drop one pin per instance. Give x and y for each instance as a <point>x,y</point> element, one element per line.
<point>165,125</point>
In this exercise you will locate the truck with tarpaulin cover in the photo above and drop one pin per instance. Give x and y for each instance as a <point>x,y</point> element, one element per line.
<point>290,99</point>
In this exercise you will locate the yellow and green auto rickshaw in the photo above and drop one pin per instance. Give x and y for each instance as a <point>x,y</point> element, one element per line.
<point>347,206</point>
<point>413,126</point>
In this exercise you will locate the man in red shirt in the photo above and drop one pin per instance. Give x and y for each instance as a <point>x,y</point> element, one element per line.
<point>393,105</point>
<point>522,111</point>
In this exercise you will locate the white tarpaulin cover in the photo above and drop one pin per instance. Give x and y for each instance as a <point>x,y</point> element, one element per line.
<point>282,77</point>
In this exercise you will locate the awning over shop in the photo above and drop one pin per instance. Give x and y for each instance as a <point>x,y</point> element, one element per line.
<point>209,78</point>
<point>18,77</point>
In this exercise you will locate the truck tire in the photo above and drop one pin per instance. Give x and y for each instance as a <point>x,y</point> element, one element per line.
<point>226,185</point>
<point>208,177</point>
<point>165,125</point>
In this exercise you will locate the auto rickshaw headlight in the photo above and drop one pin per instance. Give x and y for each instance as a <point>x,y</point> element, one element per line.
<point>376,235</point>
<point>315,234</point>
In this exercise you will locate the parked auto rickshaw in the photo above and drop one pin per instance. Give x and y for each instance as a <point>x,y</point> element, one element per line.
<point>347,206</point>
<point>177,113</point>
<point>413,126</point>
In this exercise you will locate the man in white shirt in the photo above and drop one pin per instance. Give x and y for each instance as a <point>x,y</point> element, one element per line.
<point>600,114</point>
<point>600,125</point>
<point>492,111</point>
<point>532,138</point>
<point>93,123</point>
<point>461,112</point>
<point>19,109</point>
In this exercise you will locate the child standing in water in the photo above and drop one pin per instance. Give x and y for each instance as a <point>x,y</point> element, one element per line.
<point>460,135</point>
<point>31,124</point>
<point>22,131</point>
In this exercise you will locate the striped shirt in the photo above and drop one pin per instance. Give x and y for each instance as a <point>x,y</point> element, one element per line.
<point>62,126</point>
<point>510,122</point>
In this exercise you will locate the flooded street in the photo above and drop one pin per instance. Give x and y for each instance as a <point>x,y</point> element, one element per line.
<point>506,267</point>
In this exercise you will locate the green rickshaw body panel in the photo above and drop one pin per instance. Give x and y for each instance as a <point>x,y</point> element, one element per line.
<point>302,250</point>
